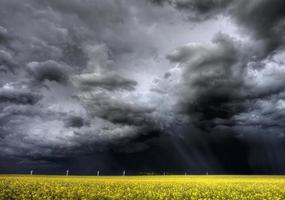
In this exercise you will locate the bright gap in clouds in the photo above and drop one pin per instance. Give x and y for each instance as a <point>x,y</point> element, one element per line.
<point>166,38</point>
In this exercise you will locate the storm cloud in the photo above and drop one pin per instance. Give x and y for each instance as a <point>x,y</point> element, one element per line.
<point>226,78</point>
<point>65,78</point>
<point>108,82</point>
<point>129,80</point>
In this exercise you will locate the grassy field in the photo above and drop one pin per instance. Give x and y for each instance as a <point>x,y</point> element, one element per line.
<point>142,187</point>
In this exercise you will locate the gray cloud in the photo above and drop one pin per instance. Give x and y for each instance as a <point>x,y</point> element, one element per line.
<point>75,121</point>
<point>211,78</point>
<point>48,70</point>
<point>18,96</point>
<point>225,80</point>
<point>3,33</point>
<point>66,74</point>
<point>217,91</point>
<point>264,20</point>
<point>6,62</point>
<point>83,77</point>
<point>118,110</point>
<point>108,81</point>
<point>199,10</point>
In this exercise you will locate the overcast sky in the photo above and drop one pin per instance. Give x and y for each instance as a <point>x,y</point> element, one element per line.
<point>142,85</point>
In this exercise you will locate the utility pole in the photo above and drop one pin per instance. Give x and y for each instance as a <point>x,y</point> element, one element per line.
<point>98,173</point>
<point>67,172</point>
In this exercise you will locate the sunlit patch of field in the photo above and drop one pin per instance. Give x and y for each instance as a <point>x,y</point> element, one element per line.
<point>141,187</point>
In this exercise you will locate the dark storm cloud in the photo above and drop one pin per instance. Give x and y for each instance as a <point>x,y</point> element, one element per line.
<point>211,79</point>
<point>75,79</point>
<point>118,111</point>
<point>263,19</point>
<point>109,81</point>
<point>199,10</point>
<point>4,35</point>
<point>3,32</point>
<point>64,79</point>
<point>221,85</point>
<point>75,121</point>
<point>233,89</point>
<point>48,70</point>
<point>18,96</point>
<point>7,63</point>
<point>227,79</point>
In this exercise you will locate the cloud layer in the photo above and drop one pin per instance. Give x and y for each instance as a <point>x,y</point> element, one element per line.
<point>131,76</point>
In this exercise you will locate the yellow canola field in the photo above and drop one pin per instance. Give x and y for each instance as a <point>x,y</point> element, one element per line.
<point>141,187</point>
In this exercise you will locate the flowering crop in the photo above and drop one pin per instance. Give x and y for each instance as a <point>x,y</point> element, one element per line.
<point>141,187</point>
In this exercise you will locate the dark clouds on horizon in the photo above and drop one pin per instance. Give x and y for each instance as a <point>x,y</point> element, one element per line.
<point>150,85</point>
